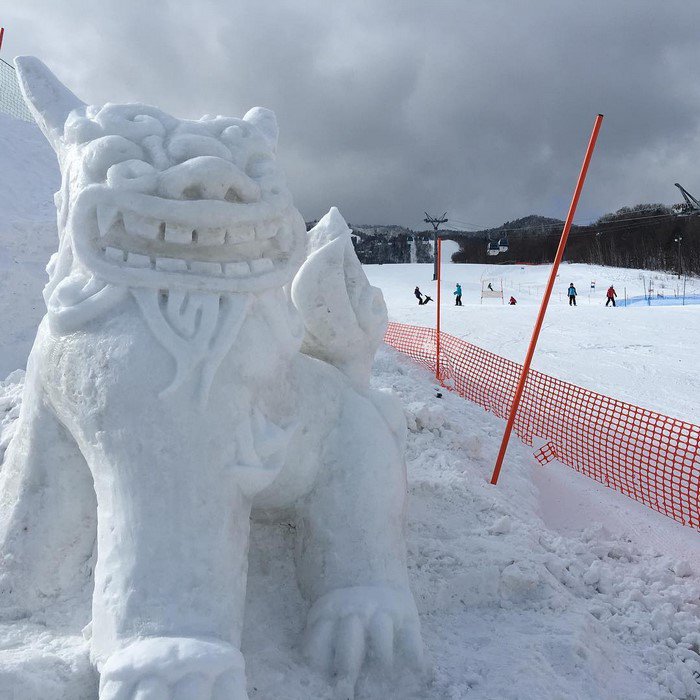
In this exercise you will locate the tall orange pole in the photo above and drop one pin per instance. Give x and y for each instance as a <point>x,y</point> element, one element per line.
<point>545,300</point>
<point>2,34</point>
<point>437,335</point>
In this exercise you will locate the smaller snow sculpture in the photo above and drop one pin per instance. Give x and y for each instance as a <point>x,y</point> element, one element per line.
<point>173,389</point>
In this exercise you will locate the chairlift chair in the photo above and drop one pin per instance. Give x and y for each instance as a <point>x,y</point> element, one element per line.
<point>503,245</point>
<point>493,248</point>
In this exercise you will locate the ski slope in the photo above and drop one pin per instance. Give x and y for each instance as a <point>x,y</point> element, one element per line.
<point>646,355</point>
<point>547,587</point>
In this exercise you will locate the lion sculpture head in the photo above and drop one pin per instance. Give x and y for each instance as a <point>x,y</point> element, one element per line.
<point>151,201</point>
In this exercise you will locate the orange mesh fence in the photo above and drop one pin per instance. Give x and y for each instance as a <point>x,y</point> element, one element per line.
<point>646,455</point>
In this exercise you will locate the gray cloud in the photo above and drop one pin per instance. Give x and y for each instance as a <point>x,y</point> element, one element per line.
<point>388,107</point>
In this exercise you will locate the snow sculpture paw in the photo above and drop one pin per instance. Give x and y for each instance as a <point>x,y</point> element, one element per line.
<point>348,626</point>
<point>165,668</point>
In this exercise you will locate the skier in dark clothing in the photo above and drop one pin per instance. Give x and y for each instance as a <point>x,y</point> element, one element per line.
<point>421,299</point>
<point>611,294</point>
<point>458,294</point>
<point>513,301</point>
<point>571,293</point>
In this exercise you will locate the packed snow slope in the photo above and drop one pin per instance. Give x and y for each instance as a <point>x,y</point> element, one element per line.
<point>28,179</point>
<point>547,587</point>
<point>646,355</point>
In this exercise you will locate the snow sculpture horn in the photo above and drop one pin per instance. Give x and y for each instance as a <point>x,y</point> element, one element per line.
<point>173,390</point>
<point>48,99</point>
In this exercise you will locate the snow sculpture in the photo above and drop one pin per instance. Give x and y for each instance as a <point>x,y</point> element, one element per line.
<point>180,379</point>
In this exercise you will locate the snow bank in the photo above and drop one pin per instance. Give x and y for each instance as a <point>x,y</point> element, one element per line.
<point>510,608</point>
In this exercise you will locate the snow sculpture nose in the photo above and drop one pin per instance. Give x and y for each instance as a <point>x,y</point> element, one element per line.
<point>208,177</point>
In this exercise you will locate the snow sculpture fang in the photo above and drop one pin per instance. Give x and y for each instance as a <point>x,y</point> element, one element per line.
<point>179,382</point>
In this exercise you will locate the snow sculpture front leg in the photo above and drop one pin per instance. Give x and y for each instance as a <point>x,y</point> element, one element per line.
<point>172,516</point>
<point>351,552</point>
<point>351,547</point>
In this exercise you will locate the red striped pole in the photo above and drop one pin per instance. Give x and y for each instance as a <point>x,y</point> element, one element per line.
<point>545,300</point>
<point>437,335</point>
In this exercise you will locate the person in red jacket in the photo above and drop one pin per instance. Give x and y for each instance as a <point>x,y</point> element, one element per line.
<point>611,294</point>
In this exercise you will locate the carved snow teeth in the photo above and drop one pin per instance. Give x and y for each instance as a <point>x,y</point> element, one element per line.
<point>128,239</point>
<point>241,234</point>
<point>172,265</point>
<point>210,236</point>
<point>137,260</point>
<point>206,268</point>
<point>106,218</point>
<point>263,265</point>
<point>136,225</point>
<point>114,254</point>
<point>177,234</point>
<point>236,269</point>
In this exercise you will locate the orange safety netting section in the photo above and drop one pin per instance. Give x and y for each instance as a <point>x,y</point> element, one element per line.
<point>648,456</point>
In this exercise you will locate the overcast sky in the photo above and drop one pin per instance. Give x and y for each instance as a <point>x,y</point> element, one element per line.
<point>482,108</point>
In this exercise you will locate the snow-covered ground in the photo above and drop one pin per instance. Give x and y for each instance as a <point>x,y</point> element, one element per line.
<point>646,355</point>
<point>546,587</point>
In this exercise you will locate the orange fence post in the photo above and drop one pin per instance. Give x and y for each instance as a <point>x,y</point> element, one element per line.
<point>437,334</point>
<point>545,300</point>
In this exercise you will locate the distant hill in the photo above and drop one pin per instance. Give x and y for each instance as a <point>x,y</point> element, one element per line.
<point>639,236</point>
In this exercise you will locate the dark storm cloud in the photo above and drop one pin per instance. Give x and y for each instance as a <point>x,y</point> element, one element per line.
<point>481,108</point>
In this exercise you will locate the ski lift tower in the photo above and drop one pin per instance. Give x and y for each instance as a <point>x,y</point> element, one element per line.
<point>691,206</point>
<point>435,221</point>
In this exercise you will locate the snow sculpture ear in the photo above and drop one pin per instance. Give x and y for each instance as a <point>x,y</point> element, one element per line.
<point>345,317</point>
<point>266,123</point>
<point>48,99</point>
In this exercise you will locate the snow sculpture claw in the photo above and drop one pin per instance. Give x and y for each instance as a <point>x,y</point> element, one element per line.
<point>347,626</point>
<point>172,668</point>
<point>172,391</point>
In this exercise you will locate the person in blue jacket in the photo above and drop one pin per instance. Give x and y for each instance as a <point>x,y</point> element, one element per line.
<point>571,293</point>
<point>458,294</point>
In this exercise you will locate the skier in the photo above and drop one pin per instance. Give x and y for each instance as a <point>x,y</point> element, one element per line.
<point>513,301</point>
<point>421,298</point>
<point>458,294</point>
<point>571,293</point>
<point>490,287</point>
<point>611,294</point>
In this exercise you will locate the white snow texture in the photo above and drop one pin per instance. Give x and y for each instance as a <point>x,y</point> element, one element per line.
<point>166,397</point>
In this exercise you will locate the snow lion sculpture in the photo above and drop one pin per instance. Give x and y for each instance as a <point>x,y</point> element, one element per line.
<point>201,356</point>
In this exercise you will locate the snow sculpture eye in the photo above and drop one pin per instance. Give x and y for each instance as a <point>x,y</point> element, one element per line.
<point>134,176</point>
<point>101,154</point>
